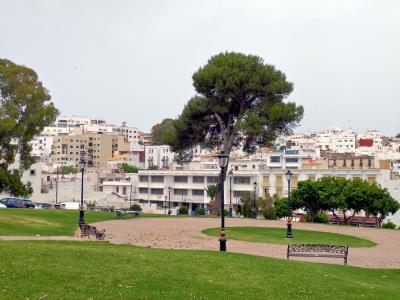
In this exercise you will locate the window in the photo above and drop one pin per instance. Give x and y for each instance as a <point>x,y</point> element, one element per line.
<point>241,180</point>
<point>32,172</point>
<point>157,191</point>
<point>157,178</point>
<point>292,159</point>
<point>275,159</point>
<point>143,190</point>
<point>198,192</point>
<point>198,179</point>
<point>183,192</point>
<point>117,189</point>
<point>212,179</point>
<point>143,178</point>
<point>181,179</point>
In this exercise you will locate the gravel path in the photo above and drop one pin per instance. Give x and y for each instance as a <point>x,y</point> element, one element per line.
<point>185,233</point>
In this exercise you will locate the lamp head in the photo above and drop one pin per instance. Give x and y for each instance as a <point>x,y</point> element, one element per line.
<point>223,159</point>
<point>288,175</point>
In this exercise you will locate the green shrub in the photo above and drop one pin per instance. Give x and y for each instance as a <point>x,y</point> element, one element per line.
<point>269,213</point>
<point>389,225</point>
<point>183,210</point>
<point>200,211</point>
<point>136,207</point>
<point>320,217</point>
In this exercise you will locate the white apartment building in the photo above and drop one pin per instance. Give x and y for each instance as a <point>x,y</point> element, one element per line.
<point>160,156</point>
<point>41,146</point>
<point>336,140</point>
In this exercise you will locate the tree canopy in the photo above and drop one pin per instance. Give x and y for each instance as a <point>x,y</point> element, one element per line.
<point>25,109</point>
<point>345,195</point>
<point>162,132</point>
<point>239,103</point>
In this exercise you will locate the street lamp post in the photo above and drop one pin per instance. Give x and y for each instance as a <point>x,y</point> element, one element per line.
<point>81,211</point>
<point>289,234</point>
<point>165,205</point>
<point>254,210</point>
<point>169,200</point>
<point>57,187</point>
<point>223,160</point>
<point>230,174</point>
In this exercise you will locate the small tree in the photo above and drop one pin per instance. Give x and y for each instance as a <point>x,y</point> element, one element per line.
<point>129,168</point>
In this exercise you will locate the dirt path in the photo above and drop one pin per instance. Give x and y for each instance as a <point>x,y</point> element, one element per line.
<point>185,233</point>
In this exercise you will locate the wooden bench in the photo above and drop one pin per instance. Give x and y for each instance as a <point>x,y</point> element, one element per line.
<point>318,250</point>
<point>88,230</point>
<point>355,221</point>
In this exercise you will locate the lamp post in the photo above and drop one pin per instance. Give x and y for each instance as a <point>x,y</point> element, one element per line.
<point>289,234</point>
<point>57,186</point>
<point>165,205</point>
<point>223,160</point>
<point>81,211</point>
<point>254,210</point>
<point>169,200</point>
<point>230,175</point>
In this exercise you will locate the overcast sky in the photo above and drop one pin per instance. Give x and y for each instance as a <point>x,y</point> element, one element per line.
<point>133,60</point>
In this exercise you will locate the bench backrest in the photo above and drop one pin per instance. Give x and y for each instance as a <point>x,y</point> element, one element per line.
<point>317,248</point>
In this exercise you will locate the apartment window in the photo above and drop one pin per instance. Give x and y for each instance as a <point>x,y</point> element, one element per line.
<point>157,191</point>
<point>157,178</point>
<point>212,179</point>
<point>143,190</point>
<point>198,179</point>
<point>198,192</point>
<point>371,179</point>
<point>143,178</point>
<point>181,179</point>
<point>275,159</point>
<point>292,160</point>
<point>278,180</point>
<point>182,192</point>
<point>124,190</point>
<point>241,180</point>
<point>32,172</point>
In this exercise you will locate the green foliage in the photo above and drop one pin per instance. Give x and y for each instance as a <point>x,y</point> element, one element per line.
<point>129,169</point>
<point>91,204</point>
<point>25,110</point>
<point>281,206</point>
<point>154,167</point>
<point>239,101</point>
<point>136,207</point>
<point>163,132</point>
<point>319,217</point>
<point>333,194</point>
<point>66,170</point>
<point>269,213</point>
<point>200,211</point>
<point>211,191</point>
<point>389,225</point>
<point>183,210</point>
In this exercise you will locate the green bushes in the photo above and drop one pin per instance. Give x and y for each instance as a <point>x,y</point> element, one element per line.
<point>183,210</point>
<point>200,211</point>
<point>136,207</point>
<point>389,225</point>
<point>269,213</point>
<point>320,217</point>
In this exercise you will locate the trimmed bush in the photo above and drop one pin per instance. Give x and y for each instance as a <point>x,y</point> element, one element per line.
<point>200,211</point>
<point>320,217</point>
<point>183,210</point>
<point>136,207</point>
<point>389,225</point>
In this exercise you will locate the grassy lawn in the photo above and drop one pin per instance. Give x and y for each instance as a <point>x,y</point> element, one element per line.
<point>94,270</point>
<point>19,221</point>
<point>277,236</point>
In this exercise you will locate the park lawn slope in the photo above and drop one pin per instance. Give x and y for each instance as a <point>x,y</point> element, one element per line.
<point>95,270</point>
<point>46,222</point>
<point>272,235</point>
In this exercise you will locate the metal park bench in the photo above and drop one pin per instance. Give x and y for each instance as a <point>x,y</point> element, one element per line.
<point>318,250</point>
<point>88,230</point>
